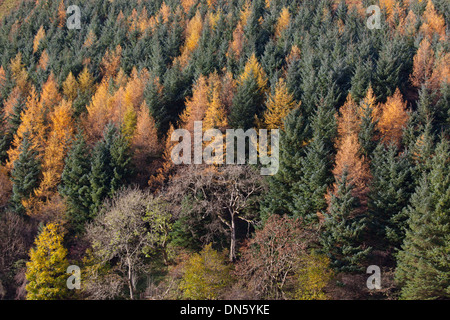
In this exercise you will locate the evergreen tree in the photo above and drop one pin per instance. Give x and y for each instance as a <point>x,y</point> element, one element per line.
<point>75,184</point>
<point>24,175</point>
<point>5,137</point>
<point>423,270</point>
<point>110,166</point>
<point>308,192</point>
<point>390,191</point>
<point>341,240</point>
<point>46,270</point>
<point>292,149</point>
<point>247,103</point>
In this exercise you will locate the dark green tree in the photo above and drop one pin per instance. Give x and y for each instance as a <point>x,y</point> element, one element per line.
<point>423,270</point>
<point>75,185</point>
<point>24,175</point>
<point>110,166</point>
<point>247,103</point>
<point>390,191</point>
<point>292,149</point>
<point>341,240</point>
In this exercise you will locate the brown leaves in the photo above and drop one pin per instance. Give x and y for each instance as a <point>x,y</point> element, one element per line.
<point>270,259</point>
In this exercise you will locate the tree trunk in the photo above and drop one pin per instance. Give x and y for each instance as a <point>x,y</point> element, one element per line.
<point>130,280</point>
<point>233,240</point>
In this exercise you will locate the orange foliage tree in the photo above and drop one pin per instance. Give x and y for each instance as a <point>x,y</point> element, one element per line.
<point>393,118</point>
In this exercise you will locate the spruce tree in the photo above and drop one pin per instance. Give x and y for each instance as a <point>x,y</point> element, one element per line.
<point>75,184</point>
<point>423,269</point>
<point>292,149</point>
<point>24,175</point>
<point>308,192</point>
<point>5,137</point>
<point>341,240</point>
<point>110,166</point>
<point>390,191</point>
<point>247,103</point>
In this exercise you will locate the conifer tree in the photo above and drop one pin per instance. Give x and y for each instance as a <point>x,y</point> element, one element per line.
<point>110,165</point>
<point>46,270</point>
<point>247,103</point>
<point>423,270</point>
<point>390,191</point>
<point>279,104</point>
<point>341,240</point>
<point>24,175</point>
<point>75,184</point>
<point>292,148</point>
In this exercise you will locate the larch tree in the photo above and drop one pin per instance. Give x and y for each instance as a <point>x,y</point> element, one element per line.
<point>282,22</point>
<point>216,116</point>
<point>50,96</point>
<point>196,105</point>
<point>423,64</point>
<point>33,122</point>
<point>111,62</point>
<point>70,87</point>
<point>145,144</point>
<point>433,22</point>
<point>348,159</point>
<point>193,33</point>
<point>46,270</point>
<point>57,146</point>
<point>40,35</point>
<point>98,112</point>
<point>278,106</point>
<point>394,117</point>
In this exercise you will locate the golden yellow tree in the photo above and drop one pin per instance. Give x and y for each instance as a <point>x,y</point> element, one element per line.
<point>38,38</point>
<point>237,44</point>
<point>45,203</point>
<point>50,96</point>
<point>70,87</point>
<point>216,114</point>
<point>349,120</point>
<point>433,22</point>
<point>19,74</point>
<point>85,81</point>
<point>253,67</point>
<point>279,104</point>
<point>33,121</point>
<point>98,112</point>
<point>61,134</point>
<point>282,22</point>
<point>90,39</point>
<point>193,34</point>
<point>46,270</point>
<point>349,159</point>
<point>2,80</point>
<point>196,105</point>
<point>164,172</point>
<point>61,14</point>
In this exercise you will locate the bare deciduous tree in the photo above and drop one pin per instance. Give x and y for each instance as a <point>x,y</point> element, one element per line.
<point>126,231</point>
<point>221,193</point>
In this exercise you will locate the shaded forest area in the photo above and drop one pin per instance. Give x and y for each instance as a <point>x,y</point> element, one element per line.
<point>86,176</point>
